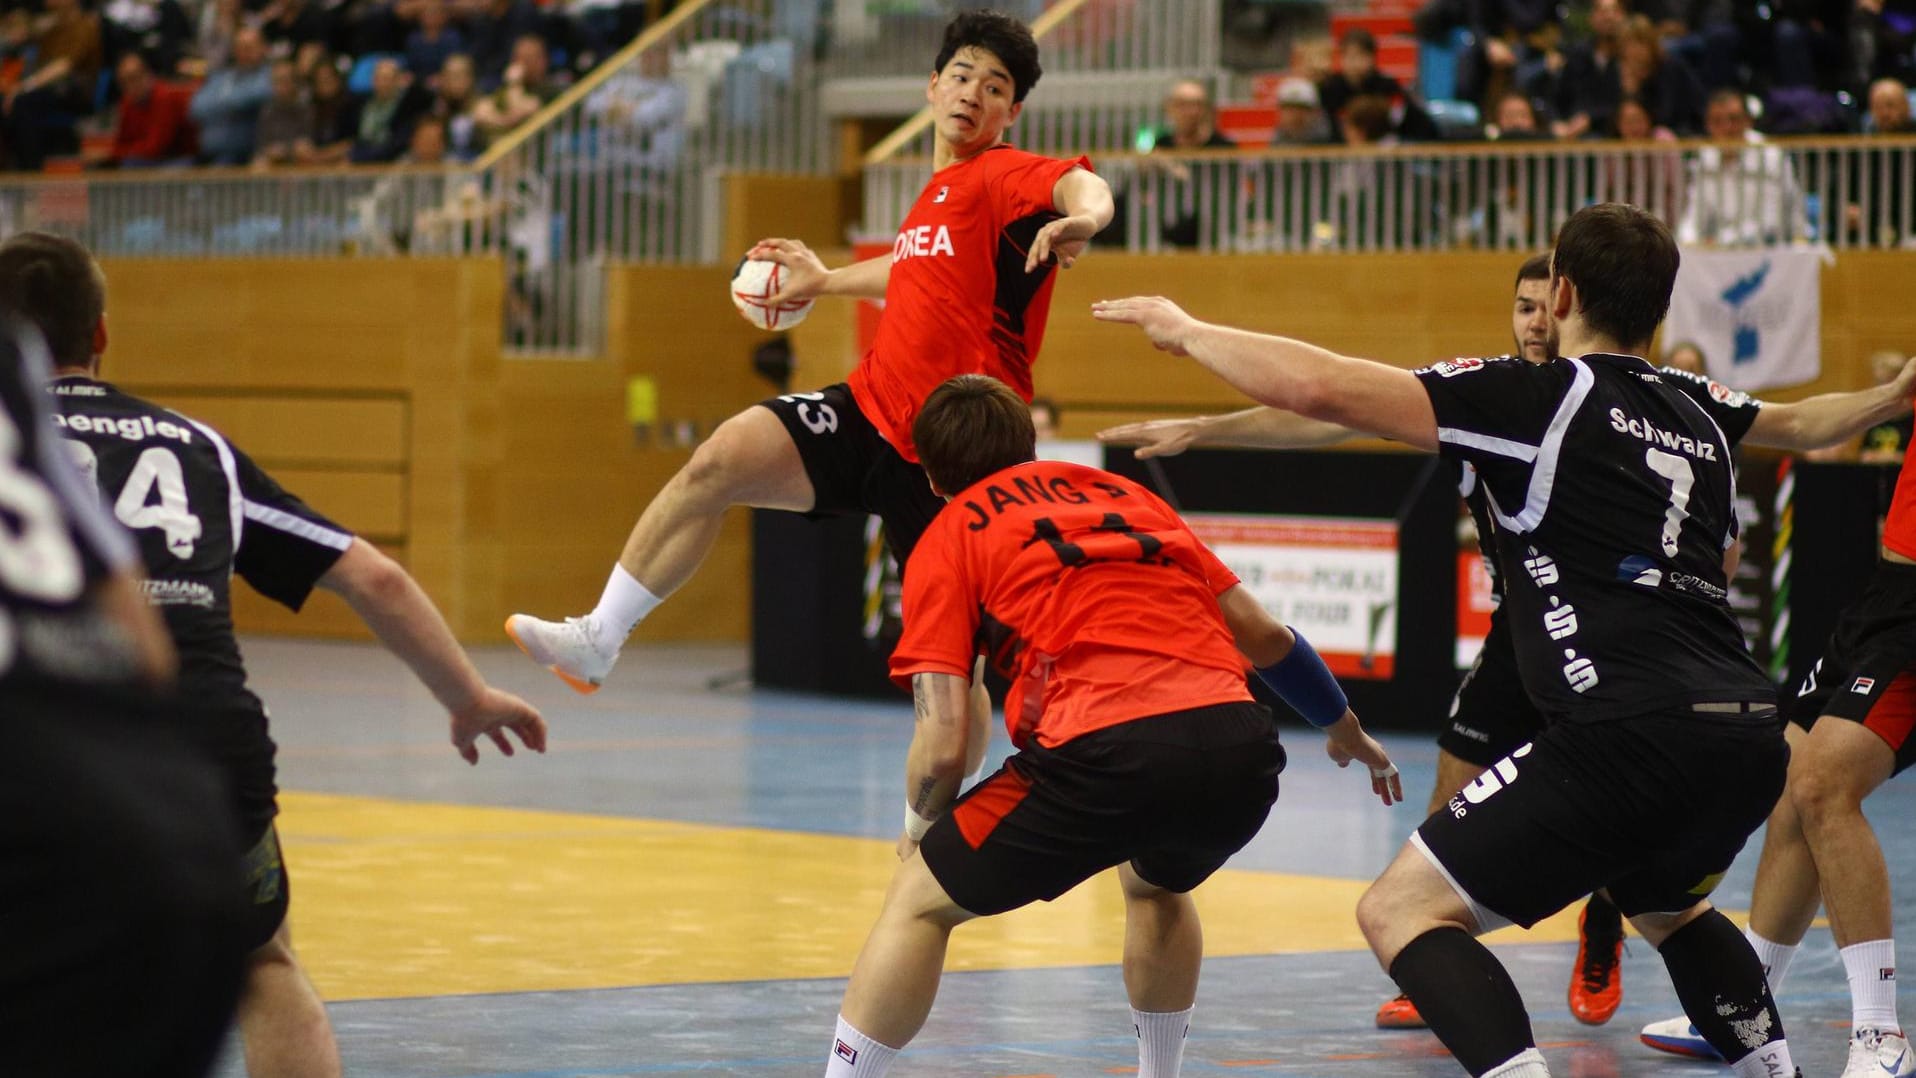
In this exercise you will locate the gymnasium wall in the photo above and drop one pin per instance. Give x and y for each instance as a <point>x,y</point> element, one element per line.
<point>376,389</point>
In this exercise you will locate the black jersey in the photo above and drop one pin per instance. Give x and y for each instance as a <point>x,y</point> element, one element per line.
<point>1611,491</point>
<point>200,511</point>
<point>1732,410</point>
<point>55,544</point>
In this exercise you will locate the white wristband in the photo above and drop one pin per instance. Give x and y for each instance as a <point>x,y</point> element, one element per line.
<point>916,825</point>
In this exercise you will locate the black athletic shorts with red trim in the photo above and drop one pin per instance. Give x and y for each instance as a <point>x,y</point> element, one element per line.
<point>853,468</point>
<point>1868,671</point>
<point>1175,795</point>
<point>1653,807</point>
<point>1491,715</point>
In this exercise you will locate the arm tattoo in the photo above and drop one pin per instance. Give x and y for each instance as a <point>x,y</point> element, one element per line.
<point>920,697</point>
<point>923,799</point>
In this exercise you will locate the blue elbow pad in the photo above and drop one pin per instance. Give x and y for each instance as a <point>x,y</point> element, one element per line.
<point>1302,680</point>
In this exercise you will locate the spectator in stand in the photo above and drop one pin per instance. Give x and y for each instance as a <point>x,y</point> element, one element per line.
<point>43,110</point>
<point>228,103</point>
<point>1665,85</point>
<point>1583,84</point>
<point>153,127</point>
<point>334,116</point>
<point>1877,206</point>
<point>383,124</point>
<point>290,25</point>
<point>1884,36</point>
<point>1515,119</point>
<point>428,47</point>
<point>427,143</point>
<point>527,88</point>
<point>1651,177</point>
<point>284,122</point>
<point>1506,36</point>
<point>1357,76</point>
<point>453,104</point>
<point>1702,34</point>
<point>218,23</point>
<point>1685,356</point>
<point>493,30</point>
<point>1190,120</point>
<point>157,29</point>
<point>16,47</point>
<point>1743,192</point>
<point>1300,117</point>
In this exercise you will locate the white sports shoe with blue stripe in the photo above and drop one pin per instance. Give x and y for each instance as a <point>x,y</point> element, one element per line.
<point>1874,1053</point>
<point>1678,1037</point>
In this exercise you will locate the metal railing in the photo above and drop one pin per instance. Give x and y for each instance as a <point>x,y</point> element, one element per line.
<point>901,37</point>
<point>1847,193</point>
<point>1107,64</point>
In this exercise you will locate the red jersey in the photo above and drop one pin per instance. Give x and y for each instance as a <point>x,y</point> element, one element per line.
<point>1084,589</point>
<point>959,300</point>
<point>1899,528</point>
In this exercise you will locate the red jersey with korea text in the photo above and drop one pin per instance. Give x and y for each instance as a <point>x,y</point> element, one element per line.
<point>1899,527</point>
<point>959,300</point>
<point>1084,589</point>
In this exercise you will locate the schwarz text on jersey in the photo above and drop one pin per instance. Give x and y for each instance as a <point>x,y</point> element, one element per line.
<point>1649,432</point>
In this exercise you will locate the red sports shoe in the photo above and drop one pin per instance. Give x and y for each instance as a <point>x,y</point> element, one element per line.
<point>1400,1013</point>
<point>1596,984</point>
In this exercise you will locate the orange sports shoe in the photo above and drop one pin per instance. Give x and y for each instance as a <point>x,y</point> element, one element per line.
<point>1596,984</point>
<point>1400,1013</point>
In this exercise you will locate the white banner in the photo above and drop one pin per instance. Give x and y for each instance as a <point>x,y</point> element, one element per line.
<point>1333,579</point>
<point>1756,314</point>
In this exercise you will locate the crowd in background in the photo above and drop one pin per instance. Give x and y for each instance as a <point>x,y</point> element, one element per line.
<point>287,82</point>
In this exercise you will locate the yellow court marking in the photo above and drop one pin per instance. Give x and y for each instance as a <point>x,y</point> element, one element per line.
<point>404,899</point>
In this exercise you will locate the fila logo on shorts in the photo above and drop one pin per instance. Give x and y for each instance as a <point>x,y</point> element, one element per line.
<point>847,1053</point>
<point>1863,685</point>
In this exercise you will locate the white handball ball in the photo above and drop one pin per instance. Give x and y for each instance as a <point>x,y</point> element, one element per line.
<point>753,286</point>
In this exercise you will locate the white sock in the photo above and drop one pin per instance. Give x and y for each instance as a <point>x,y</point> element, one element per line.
<point>1160,1041</point>
<point>1525,1064</point>
<point>1771,1059</point>
<point>1774,956</point>
<point>855,1055</point>
<point>1872,984</point>
<point>624,603</point>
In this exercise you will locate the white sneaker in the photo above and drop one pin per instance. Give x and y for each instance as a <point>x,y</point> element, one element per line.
<point>568,649</point>
<point>1874,1053</point>
<point>1678,1037</point>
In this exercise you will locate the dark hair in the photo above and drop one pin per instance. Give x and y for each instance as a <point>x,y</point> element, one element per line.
<point>1623,263</point>
<point>970,427</point>
<point>1368,114</point>
<point>1729,94</point>
<point>51,281</point>
<point>1534,268</point>
<point>1358,37</point>
<point>1002,36</point>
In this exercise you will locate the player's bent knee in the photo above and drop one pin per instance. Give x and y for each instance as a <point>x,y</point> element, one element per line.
<point>1824,784</point>
<point>1657,927</point>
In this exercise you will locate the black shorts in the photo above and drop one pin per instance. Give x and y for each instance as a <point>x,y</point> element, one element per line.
<point>1491,715</point>
<point>1866,672</point>
<point>1176,795</point>
<point>853,468</point>
<point>1653,807</point>
<point>266,888</point>
<point>234,732</point>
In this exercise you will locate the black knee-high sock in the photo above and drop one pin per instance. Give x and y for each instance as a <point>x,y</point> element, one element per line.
<point>1721,985</point>
<point>1465,996</point>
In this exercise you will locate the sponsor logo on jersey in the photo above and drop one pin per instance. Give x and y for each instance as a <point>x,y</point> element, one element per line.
<point>1863,685</point>
<point>178,593</point>
<point>940,196</point>
<point>922,241</point>
<point>846,1052</point>
<point>1638,569</point>
<point>78,389</point>
<point>1451,368</point>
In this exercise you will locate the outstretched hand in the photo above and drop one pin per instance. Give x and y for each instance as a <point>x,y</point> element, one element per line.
<point>1347,741</point>
<point>1161,320</point>
<point>1154,437</point>
<point>492,715</point>
<point>805,273</point>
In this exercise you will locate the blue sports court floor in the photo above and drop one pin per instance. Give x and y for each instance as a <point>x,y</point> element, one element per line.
<point>681,884</point>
